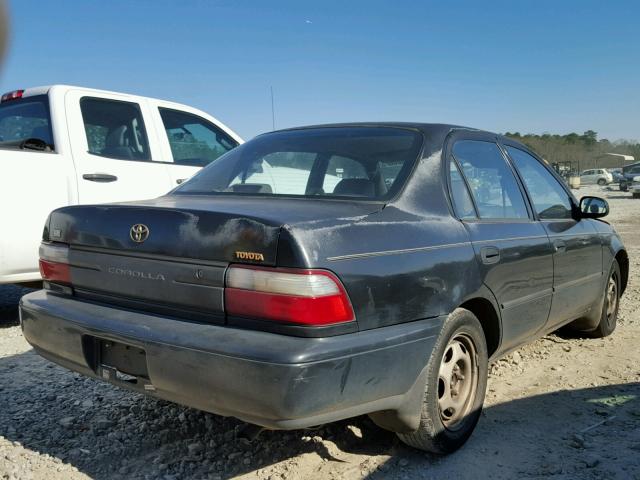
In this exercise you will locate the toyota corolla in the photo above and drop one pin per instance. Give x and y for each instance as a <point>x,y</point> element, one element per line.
<point>320,273</point>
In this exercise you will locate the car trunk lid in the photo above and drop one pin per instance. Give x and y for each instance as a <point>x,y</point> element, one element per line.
<point>170,255</point>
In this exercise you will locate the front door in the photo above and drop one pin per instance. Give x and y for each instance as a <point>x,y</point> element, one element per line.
<point>512,249</point>
<point>587,177</point>
<point>577,250</point>
<point>113,149</point>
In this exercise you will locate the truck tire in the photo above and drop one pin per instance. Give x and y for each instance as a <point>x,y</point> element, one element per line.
<point>635,195</point>
<point>455,386</point>
<point>610,305</point>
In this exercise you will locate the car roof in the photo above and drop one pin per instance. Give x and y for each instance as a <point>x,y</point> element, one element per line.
<point>426,128</point>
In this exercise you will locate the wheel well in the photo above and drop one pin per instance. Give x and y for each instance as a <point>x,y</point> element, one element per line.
<point>483,309</point>
<point>623,263</point>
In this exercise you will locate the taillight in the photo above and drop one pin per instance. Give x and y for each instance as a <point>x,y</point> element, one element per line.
<point>54,263</point>
<point>303,297</point>
<point>16,94</point>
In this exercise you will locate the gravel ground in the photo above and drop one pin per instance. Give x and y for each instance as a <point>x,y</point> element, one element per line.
<point>559,408</point>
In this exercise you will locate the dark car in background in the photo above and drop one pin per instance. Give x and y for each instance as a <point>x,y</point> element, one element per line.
<point>616,173</point>
<point>628,173</point>
<point>320,273</point>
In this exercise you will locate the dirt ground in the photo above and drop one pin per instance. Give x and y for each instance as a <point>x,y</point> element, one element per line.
<point>559,408</point>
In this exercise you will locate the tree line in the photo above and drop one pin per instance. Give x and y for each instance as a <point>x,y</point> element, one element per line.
<point>584,151</point>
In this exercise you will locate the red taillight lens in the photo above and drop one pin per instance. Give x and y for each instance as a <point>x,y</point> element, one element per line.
<point>54,263</point>
<point>304,297</point>
<point>16,94</point>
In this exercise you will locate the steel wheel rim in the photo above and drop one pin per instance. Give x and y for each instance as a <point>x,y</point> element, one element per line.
<point>612,297</point>
<point>457,381</point>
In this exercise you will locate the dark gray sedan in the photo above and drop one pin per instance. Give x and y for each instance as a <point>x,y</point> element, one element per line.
<point>320,273</point>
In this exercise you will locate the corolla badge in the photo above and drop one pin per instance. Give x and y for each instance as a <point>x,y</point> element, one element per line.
<point>139,233</point>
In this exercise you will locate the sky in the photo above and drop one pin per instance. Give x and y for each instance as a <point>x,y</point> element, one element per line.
<point>527,66</point>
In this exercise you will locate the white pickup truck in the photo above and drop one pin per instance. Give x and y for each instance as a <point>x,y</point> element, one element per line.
<point>63,145</point>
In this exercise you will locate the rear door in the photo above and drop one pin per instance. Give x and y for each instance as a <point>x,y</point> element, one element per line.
<point>189,139</point>
<point>577,249</point>
<point>114,151</point>
<point>512,249</point>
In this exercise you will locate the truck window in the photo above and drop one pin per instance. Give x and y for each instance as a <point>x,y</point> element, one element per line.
<point>194,141</point>
<point>114,129</point>
<point>24,119</point>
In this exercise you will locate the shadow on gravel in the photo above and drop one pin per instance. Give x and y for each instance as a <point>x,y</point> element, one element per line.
<point>109,433</point>
<point>9,298</point>
<point>628,196</point>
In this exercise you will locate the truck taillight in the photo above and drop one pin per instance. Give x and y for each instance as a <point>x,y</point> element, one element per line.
<point>303,297</point>
<point>54,263</point>
<point>16,94</point>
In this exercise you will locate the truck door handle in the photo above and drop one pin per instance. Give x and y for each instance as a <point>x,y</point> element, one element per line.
<point>100,177</point>
<point>490,255</point>
<point>180,180</point>
<point>559,246</point>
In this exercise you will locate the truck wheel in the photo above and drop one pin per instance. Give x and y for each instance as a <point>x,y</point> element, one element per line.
<point>602,182</point>
<point>636,195</point>
<point>609,316</point>
<point>455,386</point>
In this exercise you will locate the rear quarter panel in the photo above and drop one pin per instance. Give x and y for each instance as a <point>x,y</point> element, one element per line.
<point>396,266</point>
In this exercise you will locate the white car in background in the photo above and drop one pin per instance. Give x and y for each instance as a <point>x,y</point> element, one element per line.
<point>63,145</point>
<point>598,176</point>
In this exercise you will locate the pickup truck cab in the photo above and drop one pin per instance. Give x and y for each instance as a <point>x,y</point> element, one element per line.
<point>62,145</point>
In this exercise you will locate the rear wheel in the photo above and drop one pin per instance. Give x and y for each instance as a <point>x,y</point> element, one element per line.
<point>602,181</point>
<point>609,316</point>
<point>455,386</point>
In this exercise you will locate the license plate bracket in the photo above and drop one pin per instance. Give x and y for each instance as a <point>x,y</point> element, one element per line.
<point>128,362</point>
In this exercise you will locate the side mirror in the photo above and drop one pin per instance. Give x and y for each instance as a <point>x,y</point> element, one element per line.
<point>593,207</point>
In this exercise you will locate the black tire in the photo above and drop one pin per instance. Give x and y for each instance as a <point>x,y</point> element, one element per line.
<point>635,195</point>
<point>623,187</point>
<point>609,314</point>
<point>602,182</point>
<point>438,433</point>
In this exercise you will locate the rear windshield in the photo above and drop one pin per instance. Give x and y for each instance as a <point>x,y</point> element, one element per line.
<point>24,119</point>
<point>361,162</point>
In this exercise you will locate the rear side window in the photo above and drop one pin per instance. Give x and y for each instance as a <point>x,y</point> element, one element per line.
<point>491,180</point>
<point>194,140</point>
<point>550,200</point>
<point>356,162</point>
<point>114,129</point>
<point>25,119</point>
<point>462,202</point>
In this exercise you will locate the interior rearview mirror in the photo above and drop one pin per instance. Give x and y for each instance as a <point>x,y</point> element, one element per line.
<point>593,207</point>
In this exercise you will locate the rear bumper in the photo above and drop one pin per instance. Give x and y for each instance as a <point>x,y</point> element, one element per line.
<point>272,380</point>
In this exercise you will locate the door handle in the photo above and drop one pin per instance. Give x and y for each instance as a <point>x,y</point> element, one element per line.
<point>490,255</point>
<point>100,177</point>
<point>559,246</point>
<point>180,180</point>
